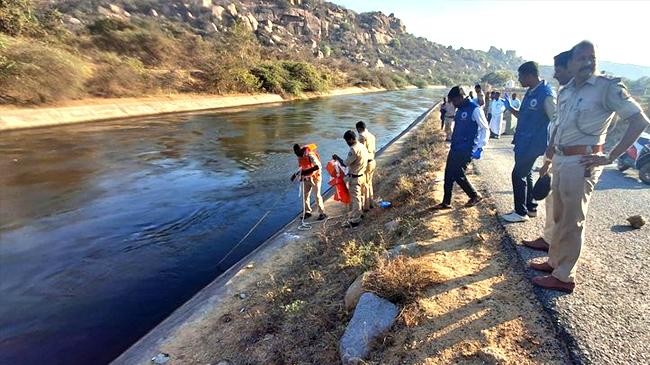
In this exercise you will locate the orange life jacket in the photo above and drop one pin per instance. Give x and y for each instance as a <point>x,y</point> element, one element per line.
<point>341,193</point>
<point>304,162</point>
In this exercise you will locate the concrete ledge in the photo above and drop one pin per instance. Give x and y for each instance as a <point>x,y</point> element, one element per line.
<point>106,109</point>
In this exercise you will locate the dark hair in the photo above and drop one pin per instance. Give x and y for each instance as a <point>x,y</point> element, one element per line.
<point>529,68</point>
<point>455,92</point>
<point>361,125</point>
<point>297,149</point>
<point>583,44</point>
<point>562,59</point>
<point>477,86</point>
<point>350,135</point>
<point>514,95</point>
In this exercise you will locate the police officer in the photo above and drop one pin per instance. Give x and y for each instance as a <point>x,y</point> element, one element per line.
<point>368,139</point>
<point>310,174</point>
<point>357,163</point>
<point>585,110</point>
<point>563,76</point>
<point>450,112</point>
<point>531,138</point>
<point>467,141</point>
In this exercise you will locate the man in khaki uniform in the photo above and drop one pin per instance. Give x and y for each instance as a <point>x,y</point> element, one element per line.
<point>368,139</point>
<point>356,163</point>
<point>585,110</point>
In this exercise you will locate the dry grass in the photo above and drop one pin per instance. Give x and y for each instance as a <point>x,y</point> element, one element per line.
<point>401,280</point>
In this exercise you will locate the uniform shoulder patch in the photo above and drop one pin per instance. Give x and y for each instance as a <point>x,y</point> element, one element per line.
<point>623,93</point>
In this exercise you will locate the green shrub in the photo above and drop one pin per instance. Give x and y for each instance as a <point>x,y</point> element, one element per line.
<point>386,81</point>
<point>32,72</point>
<point>306,74</point>
<point>420,83</point>
<point>399,81</point>
<point>272,77</point>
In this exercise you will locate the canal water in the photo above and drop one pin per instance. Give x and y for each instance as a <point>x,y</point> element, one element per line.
<point>106,228</point>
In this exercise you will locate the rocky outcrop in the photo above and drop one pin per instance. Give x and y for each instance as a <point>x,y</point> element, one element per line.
<point>370,39</point>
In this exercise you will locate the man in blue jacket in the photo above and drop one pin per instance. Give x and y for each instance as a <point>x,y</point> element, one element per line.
<point>531,138</point>
<point>467,141</point>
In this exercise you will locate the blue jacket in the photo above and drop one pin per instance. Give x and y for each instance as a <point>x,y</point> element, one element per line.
<point>531,136</point>
<point>465,128</point>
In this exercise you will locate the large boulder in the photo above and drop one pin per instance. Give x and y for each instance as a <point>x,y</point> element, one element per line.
<point>372,317</point>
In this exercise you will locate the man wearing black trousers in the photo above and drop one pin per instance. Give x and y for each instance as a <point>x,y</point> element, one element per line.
<point>531,138</point>
<point>467,141</point>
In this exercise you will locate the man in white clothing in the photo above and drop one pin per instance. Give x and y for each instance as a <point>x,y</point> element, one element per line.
<point>496,110</point>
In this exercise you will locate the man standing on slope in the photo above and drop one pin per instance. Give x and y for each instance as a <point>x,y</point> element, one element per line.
<point>531,139</point>
<point>310,175</point>
<point>467,141</point>
<point>563,76</point>
<point>368,139</point>
<point>357,163</point>
<point>586,107</point>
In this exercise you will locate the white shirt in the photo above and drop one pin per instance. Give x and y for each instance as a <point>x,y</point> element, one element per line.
<point>497,107</point>
<point>515,103</point>
<point>481,139</point>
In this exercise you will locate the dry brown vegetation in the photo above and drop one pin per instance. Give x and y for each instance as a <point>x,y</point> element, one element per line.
<point>463,299</point>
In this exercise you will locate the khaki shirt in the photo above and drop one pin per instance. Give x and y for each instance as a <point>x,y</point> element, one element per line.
<point>368,139</point>
<point>357,159</point>
<point>585,113</point>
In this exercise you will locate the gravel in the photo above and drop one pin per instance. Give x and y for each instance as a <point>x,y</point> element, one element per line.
<point>607,318</point>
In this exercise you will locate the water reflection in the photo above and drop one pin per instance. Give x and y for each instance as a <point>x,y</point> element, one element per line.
<point>108,227</point>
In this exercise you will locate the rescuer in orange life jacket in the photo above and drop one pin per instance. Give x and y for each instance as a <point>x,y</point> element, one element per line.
<point>310,175</point>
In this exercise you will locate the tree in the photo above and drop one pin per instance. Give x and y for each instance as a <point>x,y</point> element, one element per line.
<point>498,78</point>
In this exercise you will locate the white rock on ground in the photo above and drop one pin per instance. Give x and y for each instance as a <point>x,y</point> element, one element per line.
<point>372,317</point>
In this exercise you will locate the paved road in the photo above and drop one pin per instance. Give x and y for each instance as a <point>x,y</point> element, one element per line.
<point>607,319</point>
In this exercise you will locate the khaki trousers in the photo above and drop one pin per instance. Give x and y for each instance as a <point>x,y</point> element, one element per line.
<point>312,184</point>
<point>571,195</point>
<point>369,193</point>
<point>356,187</point>
<point>549,224</point>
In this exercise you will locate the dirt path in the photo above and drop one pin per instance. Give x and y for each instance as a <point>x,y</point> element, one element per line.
<point>481,311</point>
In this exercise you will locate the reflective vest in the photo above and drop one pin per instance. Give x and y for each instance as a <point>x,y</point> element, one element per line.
<point>304,162</point>
<point>465,128</point>
<point>531,135</point>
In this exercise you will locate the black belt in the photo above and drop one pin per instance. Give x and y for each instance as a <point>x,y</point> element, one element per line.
<point>355,176</point>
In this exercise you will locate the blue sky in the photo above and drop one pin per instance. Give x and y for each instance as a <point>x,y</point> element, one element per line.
<point>536,29</point>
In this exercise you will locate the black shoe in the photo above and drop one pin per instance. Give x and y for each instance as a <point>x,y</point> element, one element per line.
<point>441,206</point>
<point>307,215</point>
<point>321,216</point>
<point>473,201</point>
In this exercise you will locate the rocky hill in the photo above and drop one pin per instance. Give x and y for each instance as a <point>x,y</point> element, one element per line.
<point>177,36</point>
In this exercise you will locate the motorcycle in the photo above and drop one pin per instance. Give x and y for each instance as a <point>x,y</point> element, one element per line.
<point>637,157</point>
